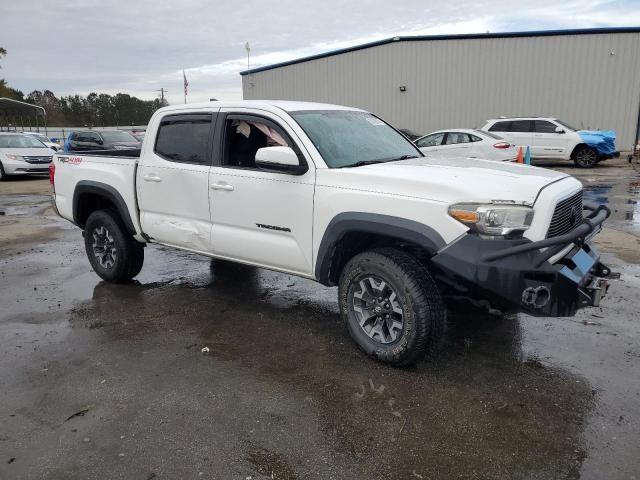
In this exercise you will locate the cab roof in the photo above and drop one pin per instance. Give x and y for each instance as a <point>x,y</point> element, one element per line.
<point>286,105</point>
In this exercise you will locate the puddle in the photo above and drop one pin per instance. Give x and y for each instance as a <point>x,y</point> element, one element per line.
<point>11,205</point>
<point>623,198</point>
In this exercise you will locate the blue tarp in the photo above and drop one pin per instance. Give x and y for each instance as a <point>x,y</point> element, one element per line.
<point>604,142</point>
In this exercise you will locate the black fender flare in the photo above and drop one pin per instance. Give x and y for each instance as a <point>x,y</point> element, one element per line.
<point>378,224</point>
<point>106,191</point>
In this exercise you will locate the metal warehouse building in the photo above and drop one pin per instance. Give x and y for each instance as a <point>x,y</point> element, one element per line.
<point>589,78</point>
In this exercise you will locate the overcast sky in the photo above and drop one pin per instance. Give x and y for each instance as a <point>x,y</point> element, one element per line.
<point>139,46</point>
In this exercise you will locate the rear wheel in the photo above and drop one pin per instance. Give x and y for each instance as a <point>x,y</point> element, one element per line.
<point>392,306</point>
<point>585,157</point>
<point>113,253</point>
<point>2,174</point>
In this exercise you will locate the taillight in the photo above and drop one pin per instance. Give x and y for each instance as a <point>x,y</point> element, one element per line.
<point>52,176</point>
<point>501,145</point>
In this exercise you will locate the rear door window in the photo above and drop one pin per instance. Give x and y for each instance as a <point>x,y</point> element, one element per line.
<point>430,140</point>
<point>185,138</point>
<point>520,126</point>
<point>454,138</point>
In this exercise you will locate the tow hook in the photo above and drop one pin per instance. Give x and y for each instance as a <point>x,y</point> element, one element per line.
<point>536,297</point>
<point>602,270</point>
<point>595,291</point>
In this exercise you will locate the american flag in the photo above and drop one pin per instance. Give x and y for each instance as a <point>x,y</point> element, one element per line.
<point>186,84</point>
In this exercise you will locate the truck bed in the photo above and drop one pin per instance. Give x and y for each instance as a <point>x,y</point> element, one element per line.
<point>78,174</point>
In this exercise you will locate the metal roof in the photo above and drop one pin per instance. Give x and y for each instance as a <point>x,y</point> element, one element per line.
<point>465,36</point>
<point>8,106</point>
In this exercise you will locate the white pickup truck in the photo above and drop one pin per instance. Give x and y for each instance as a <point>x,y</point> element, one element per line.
<point>337,195</point>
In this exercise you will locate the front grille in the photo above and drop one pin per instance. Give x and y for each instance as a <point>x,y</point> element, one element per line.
<point>566,216</point>
<point>37,159</point>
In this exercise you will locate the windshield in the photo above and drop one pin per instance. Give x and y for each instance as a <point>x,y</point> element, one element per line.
<point>345,138</point>
<point>566,125</point>
<point>20,141</point>
<point>118,136</point>
<point>40,136</point>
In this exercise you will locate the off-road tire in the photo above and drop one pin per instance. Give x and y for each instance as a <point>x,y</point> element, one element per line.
<point>129,253</point>
<point>424,312</point>
<point>585,157</point>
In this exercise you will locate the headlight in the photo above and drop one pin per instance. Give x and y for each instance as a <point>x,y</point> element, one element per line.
<point>493,219</point>
<point>14,157</point>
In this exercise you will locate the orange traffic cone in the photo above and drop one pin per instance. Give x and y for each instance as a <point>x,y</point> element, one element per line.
<point>520,157</point>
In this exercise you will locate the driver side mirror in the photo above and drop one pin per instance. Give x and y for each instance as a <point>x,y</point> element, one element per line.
<point>279,160</point>
<point>559,130</point>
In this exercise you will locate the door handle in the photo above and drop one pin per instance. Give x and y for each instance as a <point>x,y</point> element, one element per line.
<point>151,178</point>
<point>222,186</point>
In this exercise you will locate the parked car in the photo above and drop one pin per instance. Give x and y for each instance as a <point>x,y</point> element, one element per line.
<point>336,195</point>
<point>138,134</point>
<point>410,134</point>
<point>462,142</point>
<point>22,154</point>
<point>553,138</point>
<point>44,139</point>
<point>104,140</point>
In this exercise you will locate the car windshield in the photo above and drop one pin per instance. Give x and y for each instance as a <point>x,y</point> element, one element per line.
<point>20,141</point>
<point>39,136</point>
<point>118,136</point>
<point>566,125</point>
<point>347,138</point>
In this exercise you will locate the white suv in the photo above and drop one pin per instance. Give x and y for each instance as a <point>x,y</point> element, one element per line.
<point>552,138</point>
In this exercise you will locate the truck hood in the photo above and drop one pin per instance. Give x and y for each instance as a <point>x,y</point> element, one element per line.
<point>449,179</point>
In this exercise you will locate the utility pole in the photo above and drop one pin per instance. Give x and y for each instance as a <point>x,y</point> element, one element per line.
<point>162,92</point>
<point>247,47</point>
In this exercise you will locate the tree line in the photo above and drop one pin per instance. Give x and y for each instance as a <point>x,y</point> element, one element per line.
<point>94,110</point>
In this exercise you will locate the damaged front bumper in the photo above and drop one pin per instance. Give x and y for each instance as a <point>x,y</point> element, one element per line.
<point>517,272</point>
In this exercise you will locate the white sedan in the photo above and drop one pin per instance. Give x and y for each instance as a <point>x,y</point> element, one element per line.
<point>463,142</point>
<point>44,139</point>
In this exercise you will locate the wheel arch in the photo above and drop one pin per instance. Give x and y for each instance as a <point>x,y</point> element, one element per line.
<point>350,233</point>
<point>578,147</point>
<point>90,196</point>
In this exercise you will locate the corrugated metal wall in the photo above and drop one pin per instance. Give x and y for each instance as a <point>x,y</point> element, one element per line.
<point>590,81</point>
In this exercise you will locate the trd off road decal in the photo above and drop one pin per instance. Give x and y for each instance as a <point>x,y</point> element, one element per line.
<point>71,160</point>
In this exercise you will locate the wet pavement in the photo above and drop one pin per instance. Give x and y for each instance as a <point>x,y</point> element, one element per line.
<point>109,381</point>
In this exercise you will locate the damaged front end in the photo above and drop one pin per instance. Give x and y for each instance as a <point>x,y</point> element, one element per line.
<point>518,274</point>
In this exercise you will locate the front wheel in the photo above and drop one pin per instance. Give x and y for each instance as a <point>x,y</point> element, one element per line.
<point>585,157</point>
<point>2,174</point>
<point>113,253</point>
<point>391,305</point>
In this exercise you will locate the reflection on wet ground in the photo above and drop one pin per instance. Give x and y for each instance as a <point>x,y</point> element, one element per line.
<point>482,409</point>
<point>23,204</point>
<point>623,200</point>
<point>102,378</point>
